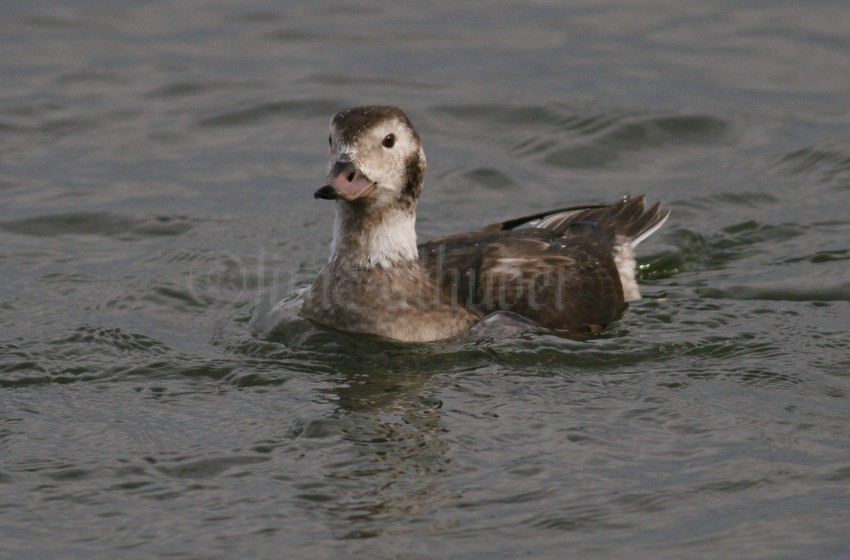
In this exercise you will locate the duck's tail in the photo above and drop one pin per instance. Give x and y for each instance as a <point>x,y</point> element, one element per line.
<point>628,223</point>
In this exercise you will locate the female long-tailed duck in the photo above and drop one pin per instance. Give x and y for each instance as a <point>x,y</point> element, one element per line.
<point>568,269</point>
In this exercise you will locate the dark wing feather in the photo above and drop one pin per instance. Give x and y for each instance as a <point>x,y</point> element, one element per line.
<point>561,280</point>
<point>559,271</point>
<point>528,220</point>
<point>627,221</point>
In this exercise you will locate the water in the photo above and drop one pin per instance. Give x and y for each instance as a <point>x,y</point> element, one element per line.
<point>157,164</point>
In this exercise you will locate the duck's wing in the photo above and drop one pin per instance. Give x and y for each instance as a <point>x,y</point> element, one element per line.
<point>534,220</point>
<point>561,280</point>
<point>565,268</point>
<point>627,222</point>
<point>628,219</point>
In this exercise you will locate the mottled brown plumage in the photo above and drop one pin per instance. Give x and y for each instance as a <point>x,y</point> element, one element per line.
<point>570,269</point>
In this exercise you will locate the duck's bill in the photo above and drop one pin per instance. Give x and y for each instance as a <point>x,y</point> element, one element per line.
<point>345,182</point>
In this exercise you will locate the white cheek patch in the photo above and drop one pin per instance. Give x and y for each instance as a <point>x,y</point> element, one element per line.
<point>386,166</point>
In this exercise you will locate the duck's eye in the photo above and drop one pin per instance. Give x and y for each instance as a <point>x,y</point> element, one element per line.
<point>388,141</point>
<point>330,141</point>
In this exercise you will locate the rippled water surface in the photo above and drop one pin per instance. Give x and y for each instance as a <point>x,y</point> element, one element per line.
<point>157,164</point>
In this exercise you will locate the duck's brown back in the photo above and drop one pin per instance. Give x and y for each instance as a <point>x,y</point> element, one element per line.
<point>564,280</point>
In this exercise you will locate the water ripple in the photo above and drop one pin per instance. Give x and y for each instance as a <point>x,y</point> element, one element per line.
<point>252,113</point>
<point>104,224</point>
<point>639,134</point>
<point>594,136</point>
<point>699,251</point>
<point>91,353</point>
<point>208,467</point>
<point>826,164</point>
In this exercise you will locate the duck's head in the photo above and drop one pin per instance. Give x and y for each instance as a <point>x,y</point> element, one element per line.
<point>376,159</point>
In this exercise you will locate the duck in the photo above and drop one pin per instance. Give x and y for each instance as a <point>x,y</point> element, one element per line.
<point>571,270</point>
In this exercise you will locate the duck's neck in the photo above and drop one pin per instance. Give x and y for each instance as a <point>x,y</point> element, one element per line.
<point>374,239</point>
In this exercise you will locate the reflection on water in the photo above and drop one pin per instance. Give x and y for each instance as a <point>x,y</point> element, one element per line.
<point>396,428</point>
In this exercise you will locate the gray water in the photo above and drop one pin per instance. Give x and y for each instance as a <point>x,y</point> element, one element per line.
<point>157,164</point>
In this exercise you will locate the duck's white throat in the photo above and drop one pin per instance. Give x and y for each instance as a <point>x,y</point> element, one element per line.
<point>378,240</point>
